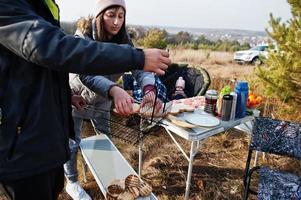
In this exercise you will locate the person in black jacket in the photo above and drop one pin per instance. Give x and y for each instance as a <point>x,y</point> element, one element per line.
<point>35,98</point>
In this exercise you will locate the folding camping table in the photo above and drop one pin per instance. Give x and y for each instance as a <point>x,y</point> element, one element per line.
<point>195,136</point>
<point>107,164</point>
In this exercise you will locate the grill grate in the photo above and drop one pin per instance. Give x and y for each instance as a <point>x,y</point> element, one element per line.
<point>136,127</point>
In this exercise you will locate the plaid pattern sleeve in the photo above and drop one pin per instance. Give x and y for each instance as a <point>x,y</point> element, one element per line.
<point>161,90</point>
<point>160,87</point>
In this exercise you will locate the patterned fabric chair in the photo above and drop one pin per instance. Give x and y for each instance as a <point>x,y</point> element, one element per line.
<point>280,138</point>
<point>278,185</point>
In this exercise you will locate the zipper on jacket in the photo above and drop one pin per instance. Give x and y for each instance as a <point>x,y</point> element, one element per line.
<point>0,116</point>
<point>14,143</point>
<point>20,125</point>
<point>17,133</point>
<point>64,110</point>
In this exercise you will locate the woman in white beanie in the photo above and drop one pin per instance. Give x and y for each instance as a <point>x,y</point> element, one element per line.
<point>108,25</point>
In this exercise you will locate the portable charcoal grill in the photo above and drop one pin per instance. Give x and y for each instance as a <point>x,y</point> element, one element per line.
<point>133,128</point>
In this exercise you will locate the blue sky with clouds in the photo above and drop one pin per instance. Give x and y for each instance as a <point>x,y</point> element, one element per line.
<point>233,14</point>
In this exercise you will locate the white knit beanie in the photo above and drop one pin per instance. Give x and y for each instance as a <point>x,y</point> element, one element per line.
<point>101,5</point>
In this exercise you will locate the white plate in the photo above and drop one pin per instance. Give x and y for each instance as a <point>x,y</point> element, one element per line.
<point>201,119</point>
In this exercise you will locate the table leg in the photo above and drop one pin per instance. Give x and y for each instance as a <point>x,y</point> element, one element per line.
<point>140,156</point>
<point>198,144</point>
<point>194,144</point>
<point>141,127</point>
<point>84,167</point>
<point>177,144</point>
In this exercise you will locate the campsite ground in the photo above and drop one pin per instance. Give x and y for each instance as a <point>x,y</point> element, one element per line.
<point>218,169</point>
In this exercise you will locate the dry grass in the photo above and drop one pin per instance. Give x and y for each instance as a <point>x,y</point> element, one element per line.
<point>201,56</point>
<point>217,171</point>
<point>219,64</point>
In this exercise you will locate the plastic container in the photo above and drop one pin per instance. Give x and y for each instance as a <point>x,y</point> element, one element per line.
<point>241,89</point>
<point>180,83</point>
<point>179,92</point>
<point>234,95</point>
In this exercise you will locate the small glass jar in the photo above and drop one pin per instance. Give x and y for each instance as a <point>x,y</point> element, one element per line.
<point>210,102</point>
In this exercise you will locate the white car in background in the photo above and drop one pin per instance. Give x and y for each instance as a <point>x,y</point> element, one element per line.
<point>252,55</point>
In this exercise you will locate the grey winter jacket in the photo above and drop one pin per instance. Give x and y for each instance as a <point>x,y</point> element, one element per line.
<point>35,104</point>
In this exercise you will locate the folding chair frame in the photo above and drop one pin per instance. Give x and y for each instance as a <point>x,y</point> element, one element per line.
<point>248,176</point>
<point>249,172</point>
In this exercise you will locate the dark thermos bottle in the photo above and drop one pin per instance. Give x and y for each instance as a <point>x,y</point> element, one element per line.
<point>226,107</point>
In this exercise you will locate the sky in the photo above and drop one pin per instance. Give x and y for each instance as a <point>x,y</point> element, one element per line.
<point>229,14</point>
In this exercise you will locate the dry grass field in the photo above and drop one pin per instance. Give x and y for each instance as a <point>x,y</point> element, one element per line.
<point>217,173</point>
<point>219,64</point>
<point>218,168</point>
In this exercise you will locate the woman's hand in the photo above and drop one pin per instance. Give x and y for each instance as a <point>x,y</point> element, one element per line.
<point>78,101</point>
<point>149,98</point>
<point>122,100</point>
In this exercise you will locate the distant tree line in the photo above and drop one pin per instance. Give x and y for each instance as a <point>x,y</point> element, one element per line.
<point>161,39</point>
<point>157,38</point>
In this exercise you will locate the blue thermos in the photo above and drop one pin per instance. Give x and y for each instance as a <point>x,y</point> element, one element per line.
<point>241,89</point>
